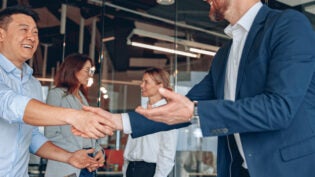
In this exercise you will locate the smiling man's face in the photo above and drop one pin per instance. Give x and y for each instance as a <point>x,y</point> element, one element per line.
<point>19,39</point>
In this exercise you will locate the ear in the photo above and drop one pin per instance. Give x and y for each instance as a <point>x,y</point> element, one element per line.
<point>2,34</point>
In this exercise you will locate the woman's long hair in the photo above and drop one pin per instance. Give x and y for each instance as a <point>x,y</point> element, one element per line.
<point>65,76</point>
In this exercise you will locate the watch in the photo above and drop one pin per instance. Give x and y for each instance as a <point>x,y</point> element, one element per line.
<point>195,117</point>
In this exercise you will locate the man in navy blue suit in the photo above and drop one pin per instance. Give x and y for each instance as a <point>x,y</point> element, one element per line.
<point>258,97</point>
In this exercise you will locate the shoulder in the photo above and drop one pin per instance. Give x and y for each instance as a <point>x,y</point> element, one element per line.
<point>56,93</point>
<point>58,90</point>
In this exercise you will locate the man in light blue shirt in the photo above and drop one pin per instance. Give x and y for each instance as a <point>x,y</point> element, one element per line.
<point>22,108</point>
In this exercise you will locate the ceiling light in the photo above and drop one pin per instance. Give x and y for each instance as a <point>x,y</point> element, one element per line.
<point>188,43</point>
<point>293,3</point>
<point>162,49</point>
<point>205,52</point>
<point>165,2</point>
<point>90,82</point>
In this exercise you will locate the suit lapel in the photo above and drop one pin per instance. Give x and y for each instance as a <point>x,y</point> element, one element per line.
<point>256,27</point>
<point>221,69</point>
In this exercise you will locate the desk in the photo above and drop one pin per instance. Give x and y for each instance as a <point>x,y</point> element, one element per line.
<point>109,173</point>
<point>194,174</point>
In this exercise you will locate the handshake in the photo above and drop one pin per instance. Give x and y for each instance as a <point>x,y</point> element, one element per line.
<point>96,123</point>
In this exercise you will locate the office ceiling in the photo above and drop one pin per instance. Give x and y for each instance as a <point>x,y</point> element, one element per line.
<point>185,19</point>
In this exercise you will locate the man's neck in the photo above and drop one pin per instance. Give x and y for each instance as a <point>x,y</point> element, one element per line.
<point>238,9</point>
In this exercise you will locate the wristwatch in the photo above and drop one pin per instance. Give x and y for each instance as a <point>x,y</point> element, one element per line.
<point>195,117</point>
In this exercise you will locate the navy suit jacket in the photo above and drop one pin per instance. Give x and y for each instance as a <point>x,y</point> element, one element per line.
<point>274,110</point>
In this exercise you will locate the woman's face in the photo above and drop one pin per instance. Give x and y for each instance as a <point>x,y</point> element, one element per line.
<point>84,74</point>
<point>149,87</point>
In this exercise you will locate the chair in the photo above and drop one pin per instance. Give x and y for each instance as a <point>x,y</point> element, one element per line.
<point>113,158</point>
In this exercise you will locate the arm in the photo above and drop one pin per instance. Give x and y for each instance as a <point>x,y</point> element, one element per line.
<point>40,114</point>
<point>269,94</point>
<point>20,108</point>
<point>140,125</point>
<point>78,159</point>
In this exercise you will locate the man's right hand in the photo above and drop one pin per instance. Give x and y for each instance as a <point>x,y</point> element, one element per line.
<point>110,122</point>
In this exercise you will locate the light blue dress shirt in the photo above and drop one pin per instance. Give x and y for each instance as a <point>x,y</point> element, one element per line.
<point>17,139</point>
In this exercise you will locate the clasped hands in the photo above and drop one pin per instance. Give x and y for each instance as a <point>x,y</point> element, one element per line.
<point>178,109</point>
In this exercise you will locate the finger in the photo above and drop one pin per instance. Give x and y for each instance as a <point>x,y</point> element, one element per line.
<point>88,108</point>
<point>153,114</point>
<point>98,111</point>
<point>169,95</point>
<point>101,131</point>
<point>90,151</point>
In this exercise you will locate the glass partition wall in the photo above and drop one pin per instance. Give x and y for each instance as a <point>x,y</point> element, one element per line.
<point>152,34</point>
<point>125,37</point>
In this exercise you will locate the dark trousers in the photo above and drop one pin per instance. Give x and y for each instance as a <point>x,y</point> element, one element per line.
<point>85,172</point>
<point>140,168</point>
<point>244,172</point>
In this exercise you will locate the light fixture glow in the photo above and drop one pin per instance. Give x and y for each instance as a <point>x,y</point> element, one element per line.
<point>205,52</point>
<point>105,96</point>
<point>90,82</point>
<point>165,2</point>
<point>162,49</point>
<point>103,90</point>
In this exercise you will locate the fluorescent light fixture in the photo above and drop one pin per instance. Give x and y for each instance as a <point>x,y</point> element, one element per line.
<point>162,49</point>
<point>171,39</point>
<point>205,52</point>
<point>106,39</point>
<point>165,2</point>
<point>45,79</point>
<point>310,9</point>
<point>295,2</point>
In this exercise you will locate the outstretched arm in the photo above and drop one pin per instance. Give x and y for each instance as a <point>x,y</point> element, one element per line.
<point>40,114</point>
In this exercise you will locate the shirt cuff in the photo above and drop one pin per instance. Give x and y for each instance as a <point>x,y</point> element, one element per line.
<point>38,140</point>
<point>126,123</point>
<point>18,107</point>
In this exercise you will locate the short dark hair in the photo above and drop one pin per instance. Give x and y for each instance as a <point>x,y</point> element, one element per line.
<point>5,14</point>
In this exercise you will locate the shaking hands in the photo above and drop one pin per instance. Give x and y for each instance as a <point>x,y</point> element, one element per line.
<point>179,109</point>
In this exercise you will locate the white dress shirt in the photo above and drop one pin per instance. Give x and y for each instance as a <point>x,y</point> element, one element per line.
<point>159,148</point>
<point>238,32</point>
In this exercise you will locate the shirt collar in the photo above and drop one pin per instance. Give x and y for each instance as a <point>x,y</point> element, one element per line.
<point>246,21</point>
<point>8,66</point>
<point>159,103</point>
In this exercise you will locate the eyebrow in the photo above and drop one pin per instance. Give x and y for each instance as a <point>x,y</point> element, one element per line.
<point>25,25</point>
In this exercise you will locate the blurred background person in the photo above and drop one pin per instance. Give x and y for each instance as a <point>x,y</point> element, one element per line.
<point>152,155</point>
<point>70,91</point>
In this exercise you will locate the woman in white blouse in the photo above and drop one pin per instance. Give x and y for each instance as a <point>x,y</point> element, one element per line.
<point>152,155</point>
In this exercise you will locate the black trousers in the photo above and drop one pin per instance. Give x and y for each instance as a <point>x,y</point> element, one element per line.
<point>140,168</point>
<point>244,172</point>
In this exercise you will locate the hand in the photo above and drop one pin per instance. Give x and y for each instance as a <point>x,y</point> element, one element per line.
<point>114,119</point>
<point>99,157</point>
<point>178,109</point>
<point>81,159</point>
<point>92,125</point>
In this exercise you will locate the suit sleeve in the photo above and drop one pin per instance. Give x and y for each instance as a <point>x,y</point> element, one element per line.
<point>286,55</point>
<point>141,126</point>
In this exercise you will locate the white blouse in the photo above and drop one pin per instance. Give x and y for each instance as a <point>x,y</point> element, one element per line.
<point>159,148</point>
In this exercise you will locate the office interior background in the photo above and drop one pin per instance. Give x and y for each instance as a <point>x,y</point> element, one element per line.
<point>124,37</point>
